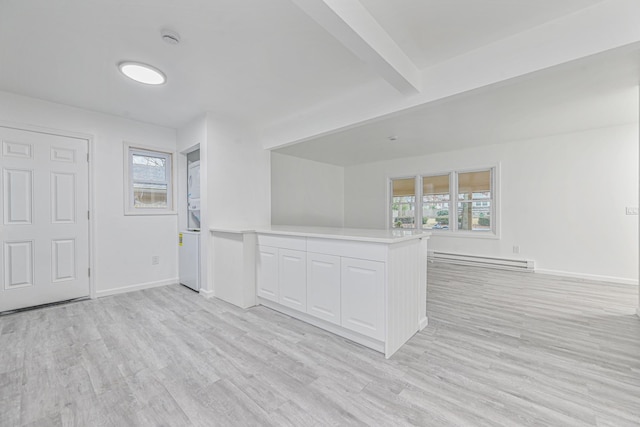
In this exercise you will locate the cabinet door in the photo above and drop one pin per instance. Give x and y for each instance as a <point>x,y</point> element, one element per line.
<point>323,287</point>
<point>362,293</point>
<point>293,279</point>
<point>267,273</point>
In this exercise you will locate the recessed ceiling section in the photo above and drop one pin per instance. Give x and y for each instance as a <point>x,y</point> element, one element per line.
<point>598,92</point>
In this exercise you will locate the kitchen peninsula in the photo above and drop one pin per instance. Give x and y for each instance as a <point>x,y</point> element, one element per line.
<point>369,286</point>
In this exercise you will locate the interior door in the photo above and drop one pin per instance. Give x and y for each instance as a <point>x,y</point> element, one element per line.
<point>44,232</point>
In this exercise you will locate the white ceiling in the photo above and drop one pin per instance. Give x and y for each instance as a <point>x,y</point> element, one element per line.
<point>591,93</point>
<point>252,59</point>
<point>271,63</point>
<point>431,31</point>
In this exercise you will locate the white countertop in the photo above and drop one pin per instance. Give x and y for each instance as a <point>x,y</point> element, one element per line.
<point>357,234</point>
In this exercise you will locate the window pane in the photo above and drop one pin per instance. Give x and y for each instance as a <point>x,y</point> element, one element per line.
<point>474,216</point>
<point>436,188</point>
<point>435,215</point>
<point>403,212</point>
<point>149,195</point>
<point>474,185</point>
<point>435,202</point>
<point>149,168</point>
<point>403,203</point>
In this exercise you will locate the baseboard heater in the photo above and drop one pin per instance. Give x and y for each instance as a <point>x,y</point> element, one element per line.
<point>481,261</point>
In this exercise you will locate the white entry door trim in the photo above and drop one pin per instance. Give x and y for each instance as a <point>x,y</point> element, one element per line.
<point>63,246</point>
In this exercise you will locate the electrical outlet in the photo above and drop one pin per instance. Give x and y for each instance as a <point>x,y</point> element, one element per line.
<point>155,260</point>
<point>516,249</point>
<point>632,211</point>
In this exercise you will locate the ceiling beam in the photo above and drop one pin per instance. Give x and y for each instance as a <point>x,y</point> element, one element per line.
<point>350,23</point>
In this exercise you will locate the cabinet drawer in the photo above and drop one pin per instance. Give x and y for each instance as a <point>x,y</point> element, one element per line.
<point>362,296</point>
<point>285,242</point>
<point>347,248</point>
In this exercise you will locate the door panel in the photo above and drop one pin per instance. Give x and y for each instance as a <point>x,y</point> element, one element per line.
<point>63,198</point>
<point>18,191</point>
<point>16,149</point>
<point>63,260</point>
<point>44,229</point>
<point>63,155</point>
<point>18,264</point>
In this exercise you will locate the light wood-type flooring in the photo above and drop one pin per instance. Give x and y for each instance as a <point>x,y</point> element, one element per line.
<point>501,349</point>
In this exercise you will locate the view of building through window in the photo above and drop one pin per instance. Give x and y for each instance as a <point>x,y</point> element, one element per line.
<point>435,202</point>
<point>150,181</point>
<point>470,193</point>
<point>403,203</point>
<point>474,201</point>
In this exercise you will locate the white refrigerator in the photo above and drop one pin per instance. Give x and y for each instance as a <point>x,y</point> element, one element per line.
<point>189,259</point>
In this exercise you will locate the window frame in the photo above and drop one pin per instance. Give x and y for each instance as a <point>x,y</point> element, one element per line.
<point>136,149</point>
<point>453,230</point>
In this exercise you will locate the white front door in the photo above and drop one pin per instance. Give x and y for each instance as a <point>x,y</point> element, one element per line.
<point>44,232</point>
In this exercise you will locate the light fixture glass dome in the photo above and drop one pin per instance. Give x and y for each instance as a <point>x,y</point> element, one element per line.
<point>142,73</point>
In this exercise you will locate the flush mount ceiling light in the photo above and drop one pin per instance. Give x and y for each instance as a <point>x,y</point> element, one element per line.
<point>142,73</point>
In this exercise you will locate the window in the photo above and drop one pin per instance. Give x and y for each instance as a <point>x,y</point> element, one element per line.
<point>474,201</point>
<point>403,203</point>
<point>435,202</point>
<point>454,203</point>
<point>149,184</point>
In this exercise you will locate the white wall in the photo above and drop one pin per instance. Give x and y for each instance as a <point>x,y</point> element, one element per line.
<point>563,200</point>
<point>304,192</point>
<point>239,197</point>
<point>123,244</point>
<point>239,180</point>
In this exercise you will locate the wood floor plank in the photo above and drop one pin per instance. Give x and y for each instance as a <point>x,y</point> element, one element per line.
<point>502,349</point>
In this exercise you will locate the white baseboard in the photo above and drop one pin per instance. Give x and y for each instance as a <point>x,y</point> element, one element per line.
<point>206,293</point>
<point>613,279</point>
<point>136,287</point>
<point>424,323</point>
<point>322,324</point>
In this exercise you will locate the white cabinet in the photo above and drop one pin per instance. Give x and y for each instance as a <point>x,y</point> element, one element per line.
<point>281,276</point>
<point>369,289</point>
<point>267,273</point>
<point>293,279</point>
<point>323,287</point>
<point>362,296</point>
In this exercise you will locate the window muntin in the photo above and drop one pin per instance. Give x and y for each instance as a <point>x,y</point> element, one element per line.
<point>403,203</point>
